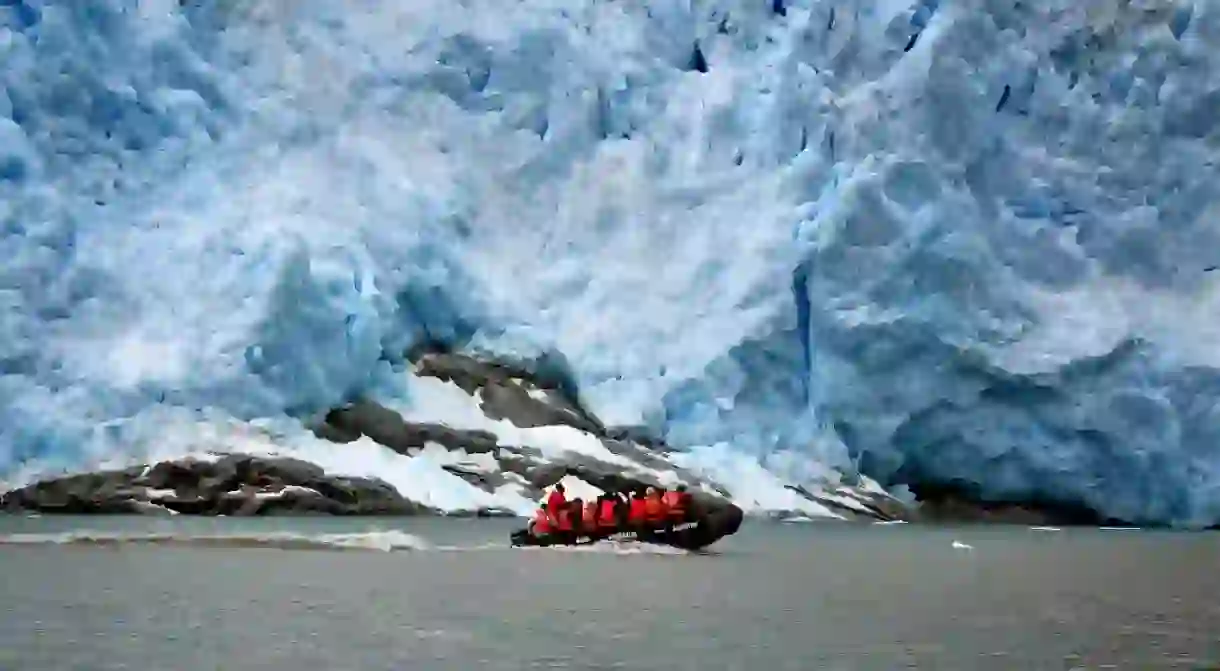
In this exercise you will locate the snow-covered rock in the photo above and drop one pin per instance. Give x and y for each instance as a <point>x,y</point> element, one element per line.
<point>486,449</point>
<point>239,485</point>
<point>498,425</point>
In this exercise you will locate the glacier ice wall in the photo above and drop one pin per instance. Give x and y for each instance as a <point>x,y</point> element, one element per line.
<point>933,240</point>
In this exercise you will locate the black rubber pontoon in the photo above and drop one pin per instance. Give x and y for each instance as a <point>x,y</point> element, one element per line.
<point>706,523</point>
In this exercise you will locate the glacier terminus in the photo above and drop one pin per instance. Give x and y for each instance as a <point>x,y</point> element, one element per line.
<point>926,241</point>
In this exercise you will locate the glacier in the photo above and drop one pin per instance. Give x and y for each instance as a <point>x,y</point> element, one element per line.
<point>921,239</point>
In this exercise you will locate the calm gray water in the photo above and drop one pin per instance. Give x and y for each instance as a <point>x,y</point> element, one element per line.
<point>773,597</point>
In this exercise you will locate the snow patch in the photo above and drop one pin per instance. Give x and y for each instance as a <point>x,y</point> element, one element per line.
<point>846,501</point>
<point>575,488</point>
<point>286,491</point>
<point>442,456</point>
<point>752,487</point>
<point>800,519</point>
<point>433,400</point>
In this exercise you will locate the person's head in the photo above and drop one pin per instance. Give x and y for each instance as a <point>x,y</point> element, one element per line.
<point>542,507</point>
<point>559,487</point>
<point>650,491</point>
<point>681,488</point>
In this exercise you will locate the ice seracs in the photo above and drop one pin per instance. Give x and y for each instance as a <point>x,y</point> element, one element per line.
<point>938,241</point>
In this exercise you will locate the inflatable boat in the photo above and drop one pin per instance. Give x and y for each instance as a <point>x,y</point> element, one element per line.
<point>705,525</point>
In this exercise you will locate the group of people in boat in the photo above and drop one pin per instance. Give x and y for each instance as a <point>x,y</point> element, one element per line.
<point>610,512</point>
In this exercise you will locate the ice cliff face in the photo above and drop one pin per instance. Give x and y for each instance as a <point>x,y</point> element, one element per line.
<point>933,240</point>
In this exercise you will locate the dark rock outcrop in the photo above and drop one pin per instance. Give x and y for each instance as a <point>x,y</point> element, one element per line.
<point>238,485</point>
<point>855,504</point>
<point>523,397</point>
<point>388,428</point>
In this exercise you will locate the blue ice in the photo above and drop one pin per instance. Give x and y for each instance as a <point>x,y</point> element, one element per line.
<point>929,239</point>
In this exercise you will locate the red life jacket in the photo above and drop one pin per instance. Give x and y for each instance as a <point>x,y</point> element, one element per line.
<point>676,502</point>
<point>542,522</point>
<point>654,510</point>
<point>563,519</point>
<point>606,516</point>
<point>555,502</point>
<point>636,512</point>
<point>590,516</point>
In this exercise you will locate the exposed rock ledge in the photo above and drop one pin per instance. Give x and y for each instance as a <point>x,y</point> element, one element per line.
<point>230,485</point>
<point>503,464</point>
<point>629,458</point>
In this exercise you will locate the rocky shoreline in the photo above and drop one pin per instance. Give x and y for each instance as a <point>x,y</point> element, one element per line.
<point>235,484</point>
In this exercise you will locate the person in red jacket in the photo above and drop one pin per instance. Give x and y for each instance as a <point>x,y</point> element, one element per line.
<point>654,508</point>
<point>676,502</point>
<point>636,514</point>
<point>607,515</point>
<point>541,525</point>
<point>556,501</point>
<point>565,521</point>
<point>588,517</point>
<point>577,506</point>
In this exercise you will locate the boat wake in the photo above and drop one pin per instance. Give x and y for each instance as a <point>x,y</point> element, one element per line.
<point>615,547</point>
<point>375,541</point>
<point>384,541</point>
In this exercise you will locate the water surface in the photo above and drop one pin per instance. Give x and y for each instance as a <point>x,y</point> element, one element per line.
<point>259,594</point>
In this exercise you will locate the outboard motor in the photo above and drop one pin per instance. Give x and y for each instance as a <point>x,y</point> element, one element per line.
<point>716,519</point>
